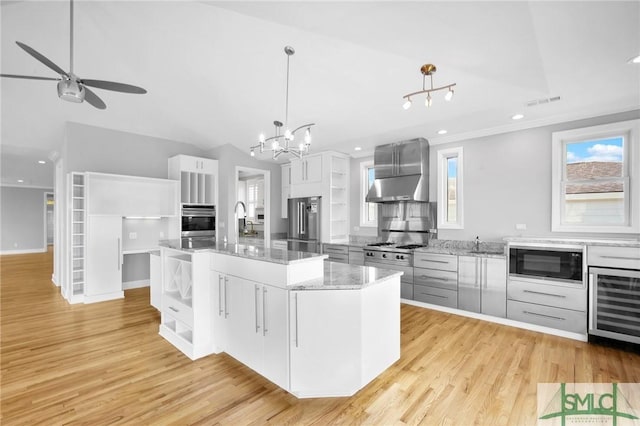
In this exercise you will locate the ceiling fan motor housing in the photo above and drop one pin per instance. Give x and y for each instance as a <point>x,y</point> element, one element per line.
<point>70,91</point>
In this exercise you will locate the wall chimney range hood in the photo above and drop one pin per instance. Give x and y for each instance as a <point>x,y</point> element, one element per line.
<point>401,172</point>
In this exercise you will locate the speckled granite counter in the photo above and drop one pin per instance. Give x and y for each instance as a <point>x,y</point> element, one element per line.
<point>271,255</point>
<point>581,241</point>
<point>464,248</point>
<point>340,276</point>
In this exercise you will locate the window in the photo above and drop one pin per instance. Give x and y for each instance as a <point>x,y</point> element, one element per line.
<point>592,178</point>
<point>368,211</point>
<point>450,201</point>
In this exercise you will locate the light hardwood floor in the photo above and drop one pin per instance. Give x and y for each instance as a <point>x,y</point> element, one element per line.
<point>106,364</point>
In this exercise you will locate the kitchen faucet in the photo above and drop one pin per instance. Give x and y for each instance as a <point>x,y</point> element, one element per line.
<point>235,215</point>
<point>476,244</point>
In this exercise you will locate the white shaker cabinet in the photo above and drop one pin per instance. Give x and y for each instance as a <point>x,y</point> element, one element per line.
<point>155,279</point>
<point>306,170</point>
<point>286,189</point>
<point>104,258</point>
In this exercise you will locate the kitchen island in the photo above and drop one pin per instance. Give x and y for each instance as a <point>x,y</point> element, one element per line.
<point>314,328</point>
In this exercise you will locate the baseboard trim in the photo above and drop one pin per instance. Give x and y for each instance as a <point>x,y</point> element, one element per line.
<point>503,321</point>
<point>104,297</point>
<point>128,285</point>
<point>28,251</point>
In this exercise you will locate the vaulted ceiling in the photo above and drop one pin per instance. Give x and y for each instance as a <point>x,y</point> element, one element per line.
<point>215,71</point>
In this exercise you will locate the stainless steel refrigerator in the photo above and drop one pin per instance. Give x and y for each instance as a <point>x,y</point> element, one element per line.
<point>304,224</point>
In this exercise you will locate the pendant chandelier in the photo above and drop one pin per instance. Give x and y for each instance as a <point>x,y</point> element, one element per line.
<point>428,70</point>
<point>284,142</point>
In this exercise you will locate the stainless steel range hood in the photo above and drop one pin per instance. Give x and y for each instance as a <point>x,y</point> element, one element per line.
<point>401,172</point>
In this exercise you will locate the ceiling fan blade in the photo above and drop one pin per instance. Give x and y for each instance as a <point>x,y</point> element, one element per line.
<point>116,87</point>
<point>29,77</point>
<point>39,56</point>
<point>93,99</point>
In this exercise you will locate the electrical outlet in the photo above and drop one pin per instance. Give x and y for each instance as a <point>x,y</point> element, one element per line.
<point>356,228</point>
<point>161,234</point>
<point>133,235</point>
<point>15,245</point>
<point>521,226</point>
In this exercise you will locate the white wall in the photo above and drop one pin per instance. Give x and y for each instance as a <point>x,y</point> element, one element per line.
<point>507,181</point>
<point>228,158</point>
<point>22,219</point>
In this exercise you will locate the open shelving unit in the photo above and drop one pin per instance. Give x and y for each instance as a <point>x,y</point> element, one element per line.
<point>78,223</point>
<point>339,199</point>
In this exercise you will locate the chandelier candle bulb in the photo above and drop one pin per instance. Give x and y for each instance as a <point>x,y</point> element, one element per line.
<point>407,104</point>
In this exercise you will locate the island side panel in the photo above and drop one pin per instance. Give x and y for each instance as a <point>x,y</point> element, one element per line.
<point>381,327</point>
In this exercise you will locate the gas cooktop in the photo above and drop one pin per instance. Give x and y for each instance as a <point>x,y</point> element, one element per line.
<point>389,246</point>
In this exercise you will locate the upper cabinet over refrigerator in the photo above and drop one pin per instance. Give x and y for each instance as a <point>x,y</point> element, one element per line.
<point>198,179</point>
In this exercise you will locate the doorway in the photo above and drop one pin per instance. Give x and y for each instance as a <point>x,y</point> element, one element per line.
<point>49,220</point>
<point>253,188</point>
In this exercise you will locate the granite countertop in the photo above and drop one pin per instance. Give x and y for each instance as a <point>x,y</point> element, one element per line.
<point>341,276</point>
<point>247,251</point>
<point>568,240</point>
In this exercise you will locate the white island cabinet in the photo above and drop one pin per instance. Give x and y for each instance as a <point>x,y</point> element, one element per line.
<point>314,328</point>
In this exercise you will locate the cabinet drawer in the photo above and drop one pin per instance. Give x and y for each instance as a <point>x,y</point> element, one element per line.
<point>335,257</point>
<point>436,278</point>
<point>547,316</point>
<point>436,296</point>
<point>549,295</point>
<point>443,262</point>
<point>617,257</point>
<point>406,291</point>
<point>335,249</point>
<point>279,244</point>
<point>177,309</point>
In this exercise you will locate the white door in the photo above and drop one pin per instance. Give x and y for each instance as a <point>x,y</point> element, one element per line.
<point>219,315</point>
<point>324,356</point>
<point>104,255</point>
<point>275,333</point>
<point>155,280</point>
<point>313,169</point>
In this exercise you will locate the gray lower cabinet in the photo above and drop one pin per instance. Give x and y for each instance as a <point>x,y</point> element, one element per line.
<point>356,255</point>
<point>336,252</point>
<point>435,279</point>
<point>548,316</point>
<point>482,285</point>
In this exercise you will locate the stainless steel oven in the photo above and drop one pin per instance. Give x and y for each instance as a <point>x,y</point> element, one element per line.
<point>560,263</point>
<point>614,296</point>
<point>198,220</point>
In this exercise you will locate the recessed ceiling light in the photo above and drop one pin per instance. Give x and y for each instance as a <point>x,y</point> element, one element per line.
<point>42,162</point>
<point>442,132</point>
<point>357,148</point>
<point>20,181</point>
<point>517,116</point>
<point>635,60</point>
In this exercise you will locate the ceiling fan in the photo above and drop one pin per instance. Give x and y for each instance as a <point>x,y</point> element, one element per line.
<point>72,88</point>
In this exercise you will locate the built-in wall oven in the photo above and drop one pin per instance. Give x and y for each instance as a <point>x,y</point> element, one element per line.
<point>554,263</point>
<point>198,220</point>
<point>614,293</point>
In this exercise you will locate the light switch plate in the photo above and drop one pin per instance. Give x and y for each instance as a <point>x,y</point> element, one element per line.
<point>133,235</point>
<point>521,226</point>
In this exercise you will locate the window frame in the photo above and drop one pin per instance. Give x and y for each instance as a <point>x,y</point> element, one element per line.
<point>443,155</point>
<point>364,190</point>
<point>630,130</point>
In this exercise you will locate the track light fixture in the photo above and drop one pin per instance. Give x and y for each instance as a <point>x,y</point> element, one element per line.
<point>280,143</point>
<point>428,70</point>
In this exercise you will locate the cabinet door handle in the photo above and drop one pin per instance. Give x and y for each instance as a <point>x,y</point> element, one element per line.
<point>295,298</point>
<point>545,294</point>
<point>255,295</point>
<point>219,295</point>
<point>543,315</point>
<point>434,278</point>
<point>264,311</point>
<point>118,254</point>
<point>174,309</point>
<point>604,256</point>
<point>433,261</point>
<point>434,295</point>
<point>226,304</point>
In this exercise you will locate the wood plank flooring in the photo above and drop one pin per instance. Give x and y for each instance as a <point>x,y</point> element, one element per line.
<point>105,363</point>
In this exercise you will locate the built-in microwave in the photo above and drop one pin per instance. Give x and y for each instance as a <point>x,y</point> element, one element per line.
<point>558,262</point>
<point>198,220</point>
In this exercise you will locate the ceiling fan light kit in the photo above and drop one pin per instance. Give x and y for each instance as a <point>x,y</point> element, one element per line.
<point>282,143</point>
<point>70,87</point>
<point>427,70</point>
